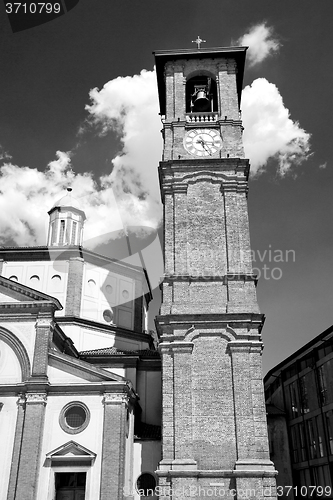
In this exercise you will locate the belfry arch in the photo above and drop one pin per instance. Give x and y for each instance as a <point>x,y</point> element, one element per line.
<point>201,94</point>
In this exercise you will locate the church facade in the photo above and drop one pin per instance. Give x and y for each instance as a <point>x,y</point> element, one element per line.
<point>80,376</point>
<point>84,388</point>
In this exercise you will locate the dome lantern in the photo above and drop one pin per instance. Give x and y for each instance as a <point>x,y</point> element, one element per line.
<point>66,222</point>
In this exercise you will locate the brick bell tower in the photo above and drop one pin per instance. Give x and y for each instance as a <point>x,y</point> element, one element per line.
<point>214,418</point>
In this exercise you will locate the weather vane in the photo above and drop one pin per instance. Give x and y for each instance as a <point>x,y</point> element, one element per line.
<point>198,41</point>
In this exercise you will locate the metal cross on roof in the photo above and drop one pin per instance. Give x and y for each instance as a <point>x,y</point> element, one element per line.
<point>198,41</point>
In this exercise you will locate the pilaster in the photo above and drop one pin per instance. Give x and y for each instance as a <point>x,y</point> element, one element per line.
<point>27,479</point>
<point>180,229</point>
<point>114,446</point>
<point>74,286</point>
<point>169,242</point>
<point>168,431</point>
<point>42,343</point>
<point>16,448</point>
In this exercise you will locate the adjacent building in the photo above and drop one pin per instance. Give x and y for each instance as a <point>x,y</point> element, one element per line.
<point>299,397</point>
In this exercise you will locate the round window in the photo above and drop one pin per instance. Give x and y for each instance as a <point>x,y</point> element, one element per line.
<point>108,315</point>
<point>74,417</point>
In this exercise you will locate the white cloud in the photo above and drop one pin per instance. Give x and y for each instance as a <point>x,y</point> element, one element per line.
<point>26,195</point>
<point>261,42</point>
<point>129,105</point>
<point>129,194</point>
<point>269,132</point>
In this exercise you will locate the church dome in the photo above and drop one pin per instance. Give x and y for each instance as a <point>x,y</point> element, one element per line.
<point>66,222</point>
<point>67,201</point>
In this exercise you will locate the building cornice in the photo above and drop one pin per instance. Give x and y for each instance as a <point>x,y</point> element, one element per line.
<point>108,329</point>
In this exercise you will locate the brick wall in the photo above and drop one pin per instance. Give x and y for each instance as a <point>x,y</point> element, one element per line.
<point>30,447</point>
<point>114,445</point>
<point>214,419</point>
<point>74,286</point>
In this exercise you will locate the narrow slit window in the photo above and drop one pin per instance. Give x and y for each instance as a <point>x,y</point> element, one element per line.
<point>73,236</point>
<point>62,232</point>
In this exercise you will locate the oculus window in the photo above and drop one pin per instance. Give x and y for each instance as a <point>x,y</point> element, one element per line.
<point>74,417</point>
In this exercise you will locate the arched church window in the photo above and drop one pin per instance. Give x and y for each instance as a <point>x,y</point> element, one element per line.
<point>53,233</point>
<point>62,232</point>
<point>146,484</point>
<point>56,285</point>
<point>13,278</point>
<point>34,278</point>
<point>73,236</point>
<point>201,95</point>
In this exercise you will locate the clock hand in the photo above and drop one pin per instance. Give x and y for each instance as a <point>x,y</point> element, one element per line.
<point>204,145</point>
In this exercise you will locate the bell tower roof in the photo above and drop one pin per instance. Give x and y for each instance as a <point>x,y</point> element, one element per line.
<point>67,201</point>
<point>163,56</point>
<point>66,222</point>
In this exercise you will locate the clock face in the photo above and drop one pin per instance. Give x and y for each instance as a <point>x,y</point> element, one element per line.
<point>202,141</point>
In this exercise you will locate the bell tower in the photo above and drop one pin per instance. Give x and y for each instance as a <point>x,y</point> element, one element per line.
<point>214,418</point>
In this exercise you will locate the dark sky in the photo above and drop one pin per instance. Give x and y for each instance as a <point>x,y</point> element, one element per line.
<point>46,75</point>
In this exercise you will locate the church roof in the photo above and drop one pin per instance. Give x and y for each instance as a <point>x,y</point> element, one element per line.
<point>67,201</point>
<point>18,294</point>
<point>113,351</point>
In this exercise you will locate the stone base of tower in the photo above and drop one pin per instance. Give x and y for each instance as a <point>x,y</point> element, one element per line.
<point>250,480</point>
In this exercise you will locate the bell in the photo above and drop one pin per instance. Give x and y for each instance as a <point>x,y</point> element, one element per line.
<point>201,102</point>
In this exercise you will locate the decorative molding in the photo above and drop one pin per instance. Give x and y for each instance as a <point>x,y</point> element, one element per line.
<point>39,299</point>
<point>115,398</point>
<point>36,398</point>
<point>222,65</point>
<point>170,278</point>
<point>241,277</point>
<point>250,346</point>
<point>44,321</point>
<point>177,346</point>
<point>71,452</point>
<point>21,400</point>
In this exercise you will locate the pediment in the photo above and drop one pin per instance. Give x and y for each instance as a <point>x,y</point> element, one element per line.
<point>71,452</point>
<point>16,293</point>
<point>78,370</point>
